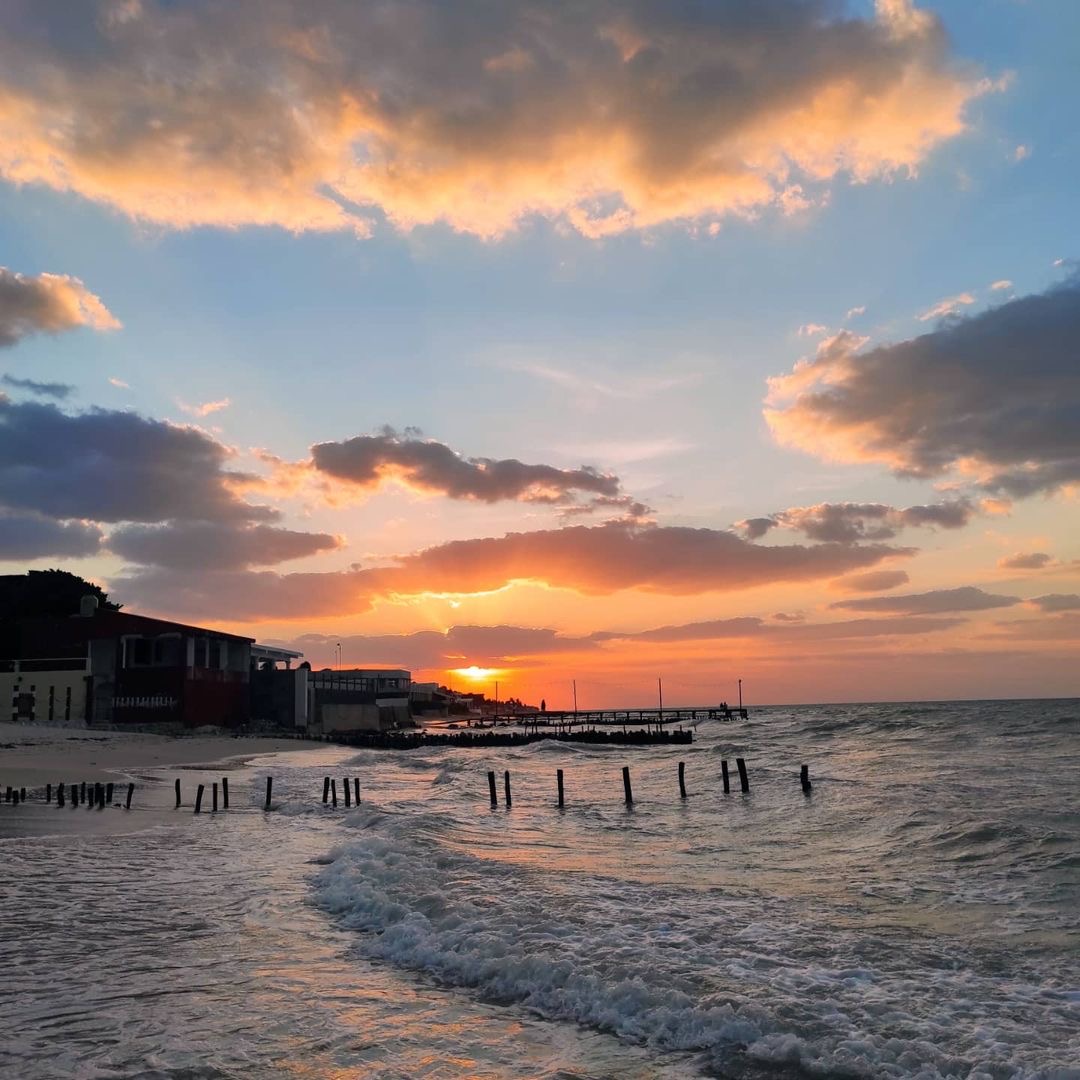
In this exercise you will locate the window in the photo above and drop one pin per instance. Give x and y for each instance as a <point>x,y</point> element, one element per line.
<point>52,700</point>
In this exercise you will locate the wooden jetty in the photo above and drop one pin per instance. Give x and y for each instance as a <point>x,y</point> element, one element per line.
<point>571,718</point>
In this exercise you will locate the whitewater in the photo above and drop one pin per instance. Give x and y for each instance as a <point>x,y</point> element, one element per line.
<point>916,915</point>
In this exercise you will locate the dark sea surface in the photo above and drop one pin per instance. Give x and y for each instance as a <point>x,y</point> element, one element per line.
<point>917,915</point>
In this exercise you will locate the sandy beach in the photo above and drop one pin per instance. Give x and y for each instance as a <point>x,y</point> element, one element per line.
<point>32,756</point>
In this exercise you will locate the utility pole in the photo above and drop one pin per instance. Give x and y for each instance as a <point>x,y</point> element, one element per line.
<point>575,696</point>
<point>740,693</point>
<point>660,687</point>
<point>339,656</point>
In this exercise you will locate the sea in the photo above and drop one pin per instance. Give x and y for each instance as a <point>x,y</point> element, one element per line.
<point>916,914</point>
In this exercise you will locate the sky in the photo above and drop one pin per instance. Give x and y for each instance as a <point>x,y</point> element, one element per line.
<point>553,342</point>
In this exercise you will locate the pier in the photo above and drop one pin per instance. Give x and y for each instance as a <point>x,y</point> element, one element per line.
<point>570,718</point>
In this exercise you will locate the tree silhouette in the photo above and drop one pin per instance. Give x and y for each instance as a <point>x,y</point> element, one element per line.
<point>47,593</point>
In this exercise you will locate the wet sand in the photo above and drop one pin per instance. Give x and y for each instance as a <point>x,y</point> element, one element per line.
<point>32,757</point>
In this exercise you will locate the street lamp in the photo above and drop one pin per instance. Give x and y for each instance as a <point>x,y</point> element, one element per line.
<point>339,656</point>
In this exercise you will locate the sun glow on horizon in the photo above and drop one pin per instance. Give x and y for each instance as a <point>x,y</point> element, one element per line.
<point>477,673</point>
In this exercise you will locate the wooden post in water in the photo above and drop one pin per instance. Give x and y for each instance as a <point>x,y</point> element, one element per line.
<point>213,805</point>
<point>74,796</point>
<point>108,794</point>
<point>82,791</point>
<point>356,790</point>
<point>744,780</point>
<point>333,793</point>
<point>682,779</point>
<point>198,799</point>
<point>48,793</point>
<point>559,781</point>
<point>99,795</point>
<point>804,779</point>
<point>60,794</point>
<point>326,789</point>
<point>178,791</point>
<point>345,790</point>
<point>626,785</point>
<point>269,789</point>
<point>491,788</point>
<point>7,794</point>
<point>131,791</point>
<point>225,792</point>
<point>724,775</point>
<point>506,786</point>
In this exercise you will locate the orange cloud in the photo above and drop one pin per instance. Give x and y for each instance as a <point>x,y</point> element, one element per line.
<point>47,304</point>
<point>607,117</point>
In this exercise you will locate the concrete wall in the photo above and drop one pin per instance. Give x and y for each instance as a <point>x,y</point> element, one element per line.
<point>25,697</point>
<point>348,716</point>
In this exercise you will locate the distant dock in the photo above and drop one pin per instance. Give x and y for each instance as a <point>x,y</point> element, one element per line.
<point>648,718</point>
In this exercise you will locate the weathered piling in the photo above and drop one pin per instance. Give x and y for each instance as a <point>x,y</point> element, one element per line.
<point>198,799</point>
<point>724,776</point>
<point>48,793</point>
<point>82,791</point>
<point>682,779</point>
<point>178,791</point>
<point>131,791</point>
<point>491,788</point>
<point>356,790</point>
<point>506,787</point>
<point>213,805</point>
<point>333,792</point>
<point>22,794</point>
<point>559,781</point>
<point>99,796</point>
<point>225,793</point>
<point>269,789</point>
<point>626,785</point>
<point>804,779</point>
<point>346,792</point>
<point>108,794</point>
<point>326,789</point>
<point>74,796</point>
<point>744,780</point>
<point>60,794</point>
<point>7,794</point>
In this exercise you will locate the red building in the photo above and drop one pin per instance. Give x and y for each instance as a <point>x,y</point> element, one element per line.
<point>134,670</point>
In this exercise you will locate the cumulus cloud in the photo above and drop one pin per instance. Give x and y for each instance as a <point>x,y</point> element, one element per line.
<point>746,627</point>
<point>935,602</point>
<point>949,306</point>
<point>1026,560</point>
<point>30,536</point>
<point>204,408</point>
<point>998,286</point>
<point>366,463</point>
<point>995,397</point>
<point>48,303</point>
<point>223,545</point>
<point>872,581</point>
<point>594,560</point>
<point>1057,602</point>
<point>607,116</point>
<point>848,523</point>
<point>56,390</point>
<point>113,466</point>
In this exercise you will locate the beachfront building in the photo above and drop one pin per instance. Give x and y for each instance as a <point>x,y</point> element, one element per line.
<point>280,693</point>
<point>359,699</point>
<point>116,668</point>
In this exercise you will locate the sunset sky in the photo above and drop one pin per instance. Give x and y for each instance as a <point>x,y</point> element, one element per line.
<point>597,341</point>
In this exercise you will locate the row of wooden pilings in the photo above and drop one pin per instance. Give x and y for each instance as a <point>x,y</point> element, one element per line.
<point>89,795</point>
<point>101,795</point>
<point>628,791</point>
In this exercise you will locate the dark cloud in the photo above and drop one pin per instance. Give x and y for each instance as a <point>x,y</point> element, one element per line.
<point>1026,560</point>
<point>114,466</point>
<point>747,627</point>
<point>224,546</point>
<point>849,523</point>
<point>872,581</point>
<point>49,303</point>
<point>368,461</point>
<point>42,389</point>
<point>965,598</point>
<point>1057,602</point>
<point>594,560</point>
<point>606,116</point>
<point>996,394</point>
<point>29,536</point>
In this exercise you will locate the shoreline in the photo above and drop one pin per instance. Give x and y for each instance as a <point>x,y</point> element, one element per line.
<point>32,756</point>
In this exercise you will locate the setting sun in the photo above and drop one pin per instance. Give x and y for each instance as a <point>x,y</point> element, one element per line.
<point>477,673</point>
